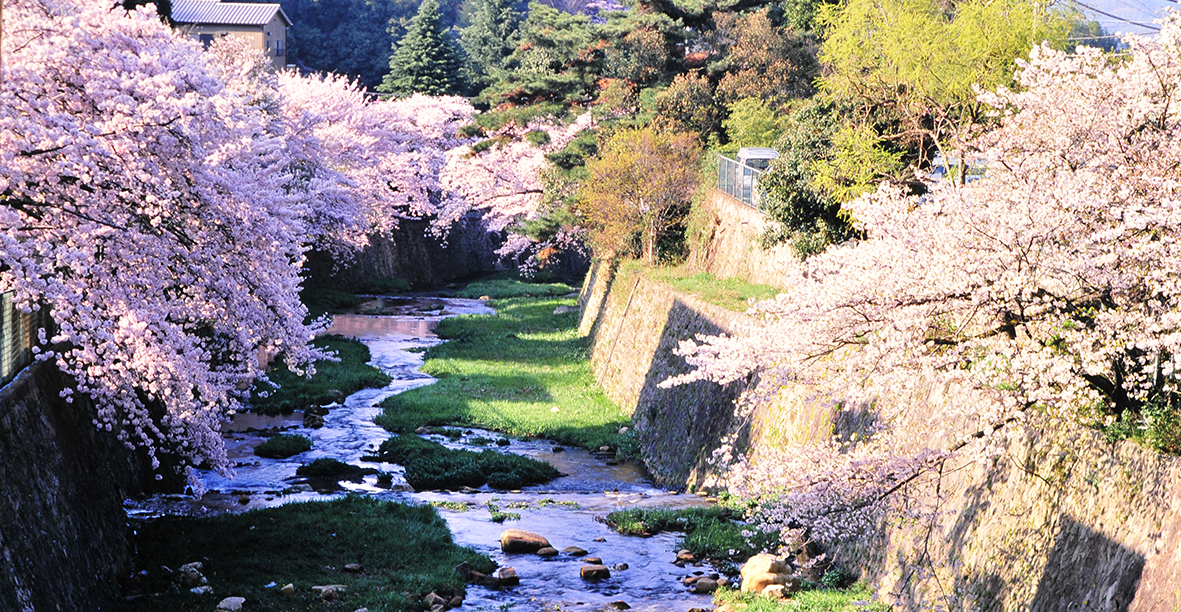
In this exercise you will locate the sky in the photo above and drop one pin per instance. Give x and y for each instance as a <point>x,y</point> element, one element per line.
<point>1138,11</point>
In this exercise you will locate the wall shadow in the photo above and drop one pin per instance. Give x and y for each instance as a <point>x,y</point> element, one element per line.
<point>1087,571</point>
<point>679,427</point>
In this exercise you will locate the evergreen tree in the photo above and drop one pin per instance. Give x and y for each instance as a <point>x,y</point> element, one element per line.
<point>426,60</point>
<point>491,37</point>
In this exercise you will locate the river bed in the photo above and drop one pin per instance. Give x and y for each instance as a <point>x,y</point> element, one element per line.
<point>565,510</point>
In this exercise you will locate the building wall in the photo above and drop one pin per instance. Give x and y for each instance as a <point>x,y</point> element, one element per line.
<point>261,37</point>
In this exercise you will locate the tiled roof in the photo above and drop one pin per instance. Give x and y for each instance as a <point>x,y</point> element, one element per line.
<point>224,13</point>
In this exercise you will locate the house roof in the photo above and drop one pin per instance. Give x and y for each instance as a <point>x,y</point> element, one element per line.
<point>225,13</point>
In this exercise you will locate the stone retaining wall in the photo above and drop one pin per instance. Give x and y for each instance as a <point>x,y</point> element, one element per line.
<point>1061,520</point>
<point>63,530</point>
<point>733,231</point>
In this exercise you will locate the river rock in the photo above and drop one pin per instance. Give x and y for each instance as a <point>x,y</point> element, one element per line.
<point>433,599</point>
<point>574,551</point>
<point>190,575</point>
<point>592,560</point>
<point>547,551</point>
<point>201,590</point>
<point>685,555</point>
<point>231,604</point>
<point>600,539</point>
<point>456,601</point>
<point>620,605</point>
<point>594,572</point>
<point>508,576</point>
<point>774,591</point>
<point>619,567</point>
<point>517,541</point>
<point>422,431</point>
<point>763,570</point>
<point>354,568</point>
<point>705,585</point>
<point>287,590</point>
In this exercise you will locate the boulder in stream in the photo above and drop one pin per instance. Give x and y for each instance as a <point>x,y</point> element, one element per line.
<point>518,541</point>
<point>231,604</point>
<point>508,576</point>
<point>547,551</point>
<point>574,551</point>
<point>594,572</point>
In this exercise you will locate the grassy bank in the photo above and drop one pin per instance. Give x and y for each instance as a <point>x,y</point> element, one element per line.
<point>333,380</point>
<point>730,293</point>
<point>405,552</point>
<point>710,533</point>
<point>858,598</point>
<point>524,372</point>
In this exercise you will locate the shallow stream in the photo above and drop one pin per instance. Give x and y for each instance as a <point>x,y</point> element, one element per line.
<point>564,510</point>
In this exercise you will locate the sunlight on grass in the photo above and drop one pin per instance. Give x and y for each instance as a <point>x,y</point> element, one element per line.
<point>508,373</point>
<point>730,293</point>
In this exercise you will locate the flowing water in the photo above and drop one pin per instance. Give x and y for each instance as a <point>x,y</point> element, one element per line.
<point>564,510</point>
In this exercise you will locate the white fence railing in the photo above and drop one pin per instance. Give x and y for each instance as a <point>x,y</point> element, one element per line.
<point>739,181</point>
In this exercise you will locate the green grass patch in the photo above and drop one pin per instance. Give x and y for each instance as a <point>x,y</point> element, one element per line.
<point>328,301</point>
<point>710,533</point>
<point>332,469</point>
<point>282,447</point>
<point>403,549</point>
<point>507,373</point>
<point>503,288</point>
<point>858,598</point>
<point>333,379</point>
<point>430,465</point>
<point>730,293</point>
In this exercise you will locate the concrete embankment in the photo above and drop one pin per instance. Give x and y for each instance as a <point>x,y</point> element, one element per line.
<point>1060,520</point>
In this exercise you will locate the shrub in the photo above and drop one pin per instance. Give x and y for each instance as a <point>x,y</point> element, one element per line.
<point>430,465</point>
<point>333,469</point>
<point>282,447</point>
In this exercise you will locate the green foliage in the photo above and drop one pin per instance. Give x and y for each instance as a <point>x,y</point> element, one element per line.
<point>511,288</point>
<point>752,123</point>
<point>919,60</point>
<point>351,37</point>
<point>576,153</point>
<point>538,138</point>
<point>506,373</point>
<point>385,285</point>
<point>1157,425</point>
<point>762,60</point>
<point>853,599</point>
<point>430,465</point>
<point>857,162</point>
<point>688,106</point>
<point>640,56</point>
<point>710,533</point>
<point>321,301</point>
<point>557,60</point>
<point>333,379</point>
<point>283,446</point>
<point>332,469</point>
<point>426,60</point>
<point>407,551</point>
<point>731,293</point>
<point>638,188</point>
<point>491,37</point>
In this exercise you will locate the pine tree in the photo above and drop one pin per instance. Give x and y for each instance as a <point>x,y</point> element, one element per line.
<point>491,37</point>
<point>426,60</point>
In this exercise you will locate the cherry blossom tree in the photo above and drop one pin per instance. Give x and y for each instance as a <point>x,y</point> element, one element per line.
<point>143,203</point>
<point>1050,286</point>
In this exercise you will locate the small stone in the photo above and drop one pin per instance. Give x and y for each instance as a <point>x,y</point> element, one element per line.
<point>774,591</point>
<point>705,586</point>
<point>623,430</point>
<point>564,309</point>
<point>619,605</point>
<point>555,409</point>
<point>287,590</point>
<point>594,572</point>
<point>600,539</point>
<point>518,541</point>
<point>329,593</point>
<point>502,442</point>
<point>604,449</point>
<point>244,500</point>
<point>433,599</point>
<point>547,551</point>
<point>723,581</point>
<point>361,610</point>
<point>689,580</point>
<point>574,551</point>
<point>456,601</point>
<point>484,298</point>
<point>468,490</point>
<point>354,568</point>
<point>684,555</point>
<point>491,582</point>
<point>619,567</point>
<point>592,560</point>
<point>201,590</point>
<point>190,575</point>
<point>438,607</point>
<point>231,604</point>
<point>508,576</point>
<point>422,431</point>
<point>558,449</point>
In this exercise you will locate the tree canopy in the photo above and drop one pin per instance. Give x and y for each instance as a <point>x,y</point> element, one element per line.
<point>426,60</point>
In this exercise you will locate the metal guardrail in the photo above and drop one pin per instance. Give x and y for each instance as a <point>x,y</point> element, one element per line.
<point>18,335</point>
<point>739,181</point>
